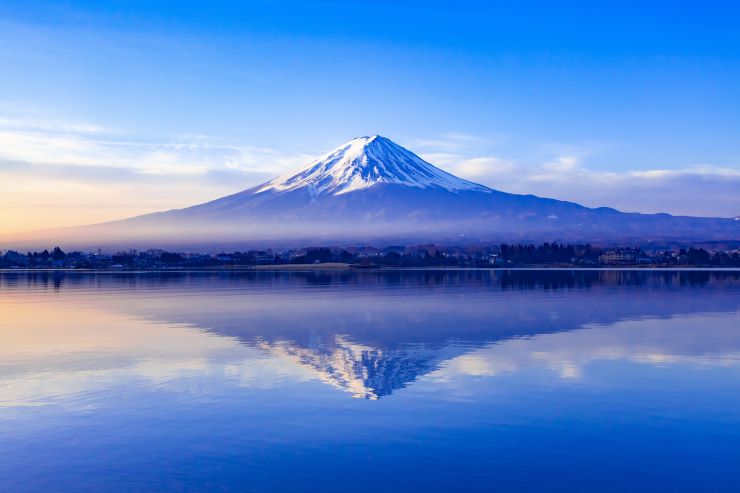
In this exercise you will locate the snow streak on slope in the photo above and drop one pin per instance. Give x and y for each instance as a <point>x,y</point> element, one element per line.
<point>364,162</point>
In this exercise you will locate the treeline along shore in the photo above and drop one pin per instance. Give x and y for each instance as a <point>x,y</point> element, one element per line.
<point>546,255</point>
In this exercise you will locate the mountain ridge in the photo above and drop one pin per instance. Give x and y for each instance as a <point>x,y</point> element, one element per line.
<point>370,189</point>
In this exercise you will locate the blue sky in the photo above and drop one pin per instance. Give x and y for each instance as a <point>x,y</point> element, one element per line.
<point>629,104</point>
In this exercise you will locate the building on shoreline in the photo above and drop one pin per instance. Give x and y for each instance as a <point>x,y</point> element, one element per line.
<point>620,256</point>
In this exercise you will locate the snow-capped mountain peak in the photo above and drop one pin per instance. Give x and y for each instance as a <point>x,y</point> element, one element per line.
<point>371,189</point>
<point>364,162</point>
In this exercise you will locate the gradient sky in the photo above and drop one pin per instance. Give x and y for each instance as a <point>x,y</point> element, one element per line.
<point>110,109</point>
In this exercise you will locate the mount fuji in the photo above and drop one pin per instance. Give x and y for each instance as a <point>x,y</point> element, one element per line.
<point>371,189</point>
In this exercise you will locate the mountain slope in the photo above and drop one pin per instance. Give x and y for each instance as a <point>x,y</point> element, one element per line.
<point>371,189</point>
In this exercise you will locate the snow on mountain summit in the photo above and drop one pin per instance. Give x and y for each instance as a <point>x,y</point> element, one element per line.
<point>364,162</point>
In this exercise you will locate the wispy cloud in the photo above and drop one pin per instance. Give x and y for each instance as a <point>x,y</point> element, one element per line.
<point>85,145</point>
<point>58,173</point>
<point>563,172</point>
<point>31,124</point>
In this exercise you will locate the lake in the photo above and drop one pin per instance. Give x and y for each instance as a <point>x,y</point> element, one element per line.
<point>403,381</point>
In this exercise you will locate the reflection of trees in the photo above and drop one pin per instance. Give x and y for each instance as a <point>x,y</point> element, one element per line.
<point>503,279</point>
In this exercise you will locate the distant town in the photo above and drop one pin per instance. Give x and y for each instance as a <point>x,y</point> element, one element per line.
<point>546,255</point>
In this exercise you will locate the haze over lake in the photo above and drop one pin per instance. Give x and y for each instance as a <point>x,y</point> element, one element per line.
<point>370,381</point>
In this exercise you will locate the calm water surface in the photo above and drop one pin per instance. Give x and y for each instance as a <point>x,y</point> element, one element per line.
<point>370,381</point>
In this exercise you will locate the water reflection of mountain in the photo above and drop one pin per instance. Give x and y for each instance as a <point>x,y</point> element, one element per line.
<point>364,371</point>
<point>371,333</point>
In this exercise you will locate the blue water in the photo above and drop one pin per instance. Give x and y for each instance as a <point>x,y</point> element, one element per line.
<point>370,381</point>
